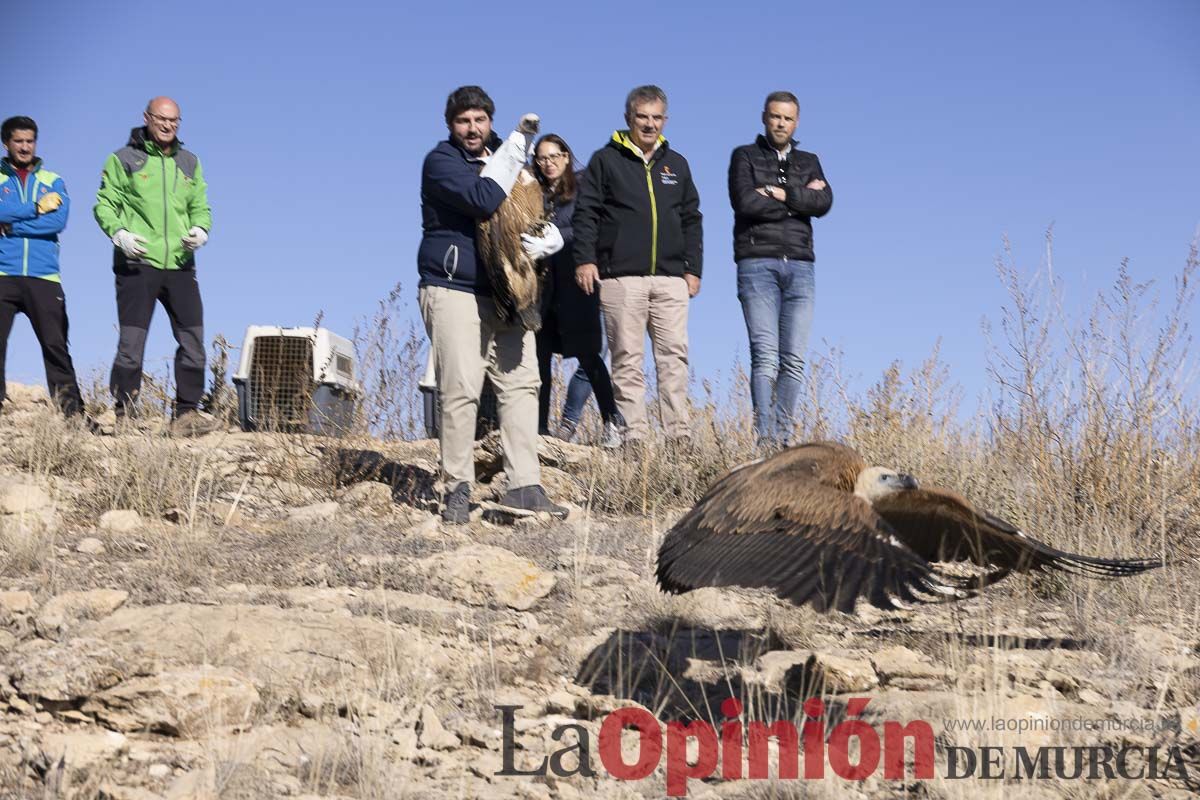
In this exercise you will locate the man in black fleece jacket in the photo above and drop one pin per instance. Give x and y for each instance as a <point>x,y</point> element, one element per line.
<point>638,241</point>
<point>776,190</point>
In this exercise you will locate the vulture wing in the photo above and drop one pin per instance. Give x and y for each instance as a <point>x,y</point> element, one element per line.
<point>808,544</point>
<point>940,525</point>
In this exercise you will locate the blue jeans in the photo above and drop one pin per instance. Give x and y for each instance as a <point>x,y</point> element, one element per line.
<point>777,301</point>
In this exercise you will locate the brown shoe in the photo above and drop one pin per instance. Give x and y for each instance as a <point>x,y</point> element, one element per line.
<point>194,423</point>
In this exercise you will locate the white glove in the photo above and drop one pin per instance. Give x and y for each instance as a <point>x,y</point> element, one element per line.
<point>131,244</point>
<point>509,159</point>
<point>195,239</point>
<point>549,243</point>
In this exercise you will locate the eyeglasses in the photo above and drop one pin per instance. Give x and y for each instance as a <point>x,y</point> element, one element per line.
<point>172,121</point>
<point>552,157</point>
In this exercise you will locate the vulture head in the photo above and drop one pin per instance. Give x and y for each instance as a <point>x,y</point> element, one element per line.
<point>876,482</point>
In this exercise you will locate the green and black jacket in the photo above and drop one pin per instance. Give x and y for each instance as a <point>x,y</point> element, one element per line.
<point>157,195</point>
<point>635,217</point>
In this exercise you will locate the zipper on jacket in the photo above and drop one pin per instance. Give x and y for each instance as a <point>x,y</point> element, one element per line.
<point>29,192</point>
<point>166,215</point>
<point>653,221</point>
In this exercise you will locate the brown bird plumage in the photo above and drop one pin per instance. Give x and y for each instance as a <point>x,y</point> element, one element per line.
<point>516,278</point>
<point>816,525</point>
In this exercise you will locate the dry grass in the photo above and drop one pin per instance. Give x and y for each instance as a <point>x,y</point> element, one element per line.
<point>1089,439</point>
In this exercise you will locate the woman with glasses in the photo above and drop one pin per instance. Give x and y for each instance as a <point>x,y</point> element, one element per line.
<point>570,318</point>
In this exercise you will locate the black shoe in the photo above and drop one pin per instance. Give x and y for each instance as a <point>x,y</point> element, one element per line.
<point>456,505</point>
<point>532,498</point>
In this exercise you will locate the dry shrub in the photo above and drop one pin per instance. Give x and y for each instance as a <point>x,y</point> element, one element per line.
<point>391,361</point>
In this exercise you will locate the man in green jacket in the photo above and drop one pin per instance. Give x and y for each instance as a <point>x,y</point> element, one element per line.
<point>153,204</point>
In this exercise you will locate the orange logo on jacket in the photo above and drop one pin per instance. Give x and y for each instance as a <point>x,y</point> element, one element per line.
<point>667,177</point>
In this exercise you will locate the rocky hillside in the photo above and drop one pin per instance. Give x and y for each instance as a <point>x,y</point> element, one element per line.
<point>259,615</point>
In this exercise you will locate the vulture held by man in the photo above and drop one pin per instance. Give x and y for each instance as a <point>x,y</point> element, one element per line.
<point>516,278</point>
<point>815,524</point>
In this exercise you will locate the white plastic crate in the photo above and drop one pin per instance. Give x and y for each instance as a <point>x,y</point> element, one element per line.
<point>300,380</point>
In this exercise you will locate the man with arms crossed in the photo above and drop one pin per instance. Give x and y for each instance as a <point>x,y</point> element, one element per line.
<point>33,211</point>
<point>776,190</point>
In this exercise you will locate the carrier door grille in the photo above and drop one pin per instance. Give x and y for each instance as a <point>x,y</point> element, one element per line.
<point>281,382</point>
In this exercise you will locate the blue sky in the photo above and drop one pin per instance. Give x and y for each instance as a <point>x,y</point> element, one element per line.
<point>942,127</point>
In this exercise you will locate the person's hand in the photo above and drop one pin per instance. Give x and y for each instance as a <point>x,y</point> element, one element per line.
<point>549,243</point>
<point>5,229</point>
<point>770,191</point>
<point>587,276</point>
<point>815,183</point>
<point>48,202</point>
<point>693,283</point>
<point>195,239</point>
<point>131,244</point>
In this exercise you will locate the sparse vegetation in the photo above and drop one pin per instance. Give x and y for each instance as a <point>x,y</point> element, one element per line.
<point>1089,438</point>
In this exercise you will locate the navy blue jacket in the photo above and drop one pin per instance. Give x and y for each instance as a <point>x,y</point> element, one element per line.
<point>453,199</point>
<point>570,318</point>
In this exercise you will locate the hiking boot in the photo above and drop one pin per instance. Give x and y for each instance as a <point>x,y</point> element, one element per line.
<point>194,423</point>
<point>456,505</point>
<point>611,438</point>
<point>532,498</point>
<point>566,430</point>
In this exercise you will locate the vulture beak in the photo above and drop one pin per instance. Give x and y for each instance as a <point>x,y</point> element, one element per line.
<point>908,482</point>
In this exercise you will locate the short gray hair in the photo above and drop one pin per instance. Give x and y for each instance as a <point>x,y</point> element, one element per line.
<point>644,94</point>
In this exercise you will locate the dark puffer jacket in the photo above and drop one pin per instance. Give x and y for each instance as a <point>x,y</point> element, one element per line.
<point>767,228</point>
<point>570,318</point>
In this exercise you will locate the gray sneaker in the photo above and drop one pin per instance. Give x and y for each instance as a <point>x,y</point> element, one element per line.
<point>532,498</point>
<point>566,430</point>
<point>456,505</point>
<point>194,423</point>
<point>611,437</point>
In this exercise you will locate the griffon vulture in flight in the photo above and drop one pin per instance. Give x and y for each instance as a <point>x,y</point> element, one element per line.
<point>815,524</point>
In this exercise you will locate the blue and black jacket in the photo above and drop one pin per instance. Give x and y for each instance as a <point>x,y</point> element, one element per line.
<point>29,240</point>
<point>453,199</point>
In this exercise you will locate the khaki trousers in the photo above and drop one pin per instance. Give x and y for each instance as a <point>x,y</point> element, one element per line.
<point>632,305</point>
<point>470,342</point>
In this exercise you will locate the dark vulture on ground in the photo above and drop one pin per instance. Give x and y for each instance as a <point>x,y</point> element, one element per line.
<point>815,524</point>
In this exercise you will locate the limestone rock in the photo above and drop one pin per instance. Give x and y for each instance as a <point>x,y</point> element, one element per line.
<point>65,671</point>
<point>83,749</point>
<point>122,520</point>
<point>432,734</point>
<point>17,497</point>
<point>485,575</point>
<point>314,512</point>
<point>842,673</point>
<point>288,650</point>
<point>906,669</point>
<point>188,701</point>
<point>368,496</point>
<point>25,394</point>
<point>13,604</point>
<point>90,546</point>
<point>65,609</point>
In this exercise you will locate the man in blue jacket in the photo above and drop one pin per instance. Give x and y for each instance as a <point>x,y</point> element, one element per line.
<point>467,338</point>
<point>33,211</point>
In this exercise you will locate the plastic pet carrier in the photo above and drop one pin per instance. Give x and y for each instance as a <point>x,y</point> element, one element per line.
<point>296,380</point>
